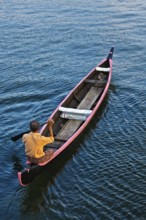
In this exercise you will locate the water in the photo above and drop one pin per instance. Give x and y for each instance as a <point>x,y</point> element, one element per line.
<point>46,48</point>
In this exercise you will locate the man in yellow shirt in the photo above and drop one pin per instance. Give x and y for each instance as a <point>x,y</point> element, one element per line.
<point>35,142</point>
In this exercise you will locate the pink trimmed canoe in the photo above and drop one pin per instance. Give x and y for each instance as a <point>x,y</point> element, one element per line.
<point>72,116</point>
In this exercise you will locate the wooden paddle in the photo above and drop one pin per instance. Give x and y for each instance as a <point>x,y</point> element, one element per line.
<point>15,138</point>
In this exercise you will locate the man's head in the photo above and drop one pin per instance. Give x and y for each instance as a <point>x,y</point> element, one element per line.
<point>34,126</point>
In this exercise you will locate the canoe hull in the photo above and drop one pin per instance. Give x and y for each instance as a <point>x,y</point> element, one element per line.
<point>87,96</point>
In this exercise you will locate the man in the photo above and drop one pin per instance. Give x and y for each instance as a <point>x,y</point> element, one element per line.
<point>35,142</point>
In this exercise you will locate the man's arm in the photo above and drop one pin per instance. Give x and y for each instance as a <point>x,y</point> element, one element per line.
<point>50,124</point>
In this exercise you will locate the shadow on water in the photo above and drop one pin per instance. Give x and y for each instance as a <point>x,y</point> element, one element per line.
<point>38,194</point>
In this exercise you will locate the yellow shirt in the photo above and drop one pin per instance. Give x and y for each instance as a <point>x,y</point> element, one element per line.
<point>34,144</point>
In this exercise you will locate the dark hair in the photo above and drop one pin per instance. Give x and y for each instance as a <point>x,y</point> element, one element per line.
<point>34,126</point>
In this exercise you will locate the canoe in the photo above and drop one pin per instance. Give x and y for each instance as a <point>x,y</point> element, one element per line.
<point>72,116</point>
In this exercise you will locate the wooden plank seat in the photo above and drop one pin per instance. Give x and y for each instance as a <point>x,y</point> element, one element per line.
<point>72,125</point>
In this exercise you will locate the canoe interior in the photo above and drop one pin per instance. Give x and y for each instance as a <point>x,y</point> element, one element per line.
<point>84,96</point>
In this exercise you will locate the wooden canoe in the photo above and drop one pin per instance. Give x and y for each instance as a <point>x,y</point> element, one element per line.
<point>73,115</point>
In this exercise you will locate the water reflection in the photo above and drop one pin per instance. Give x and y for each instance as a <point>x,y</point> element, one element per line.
<point>37,194</point>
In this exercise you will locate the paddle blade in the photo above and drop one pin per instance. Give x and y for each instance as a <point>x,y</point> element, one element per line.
<point>17,137</point>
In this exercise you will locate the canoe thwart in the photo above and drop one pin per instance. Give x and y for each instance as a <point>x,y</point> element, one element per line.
<point>96,82</point>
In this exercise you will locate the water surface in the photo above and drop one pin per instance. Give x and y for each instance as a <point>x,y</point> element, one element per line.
<point>46,48</point>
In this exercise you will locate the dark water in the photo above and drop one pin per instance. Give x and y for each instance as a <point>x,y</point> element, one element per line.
<point>46,47</point>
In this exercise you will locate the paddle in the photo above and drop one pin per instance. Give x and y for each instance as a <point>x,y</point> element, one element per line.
<point>15,138</point>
